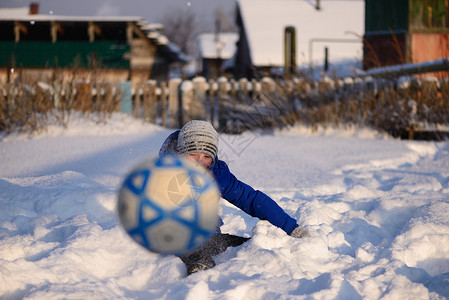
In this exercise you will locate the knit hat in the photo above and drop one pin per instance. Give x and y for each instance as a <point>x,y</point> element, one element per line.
<point>198,136</point>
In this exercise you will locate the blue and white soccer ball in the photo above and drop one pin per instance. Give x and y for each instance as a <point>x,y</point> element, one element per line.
<point>169,205</point>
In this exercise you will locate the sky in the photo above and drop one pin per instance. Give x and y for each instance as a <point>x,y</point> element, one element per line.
<point>151,10</point>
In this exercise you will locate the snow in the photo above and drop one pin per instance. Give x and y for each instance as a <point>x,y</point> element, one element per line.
<point>45,18</point>
<point>377,208</point>
<point>13,12</point>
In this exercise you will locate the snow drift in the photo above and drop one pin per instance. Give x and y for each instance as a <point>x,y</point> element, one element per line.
<point>377,207</point>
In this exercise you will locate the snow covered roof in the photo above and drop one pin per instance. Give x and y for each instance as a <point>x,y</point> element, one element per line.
<point>154,33</point>
<point>152,30</point>
<point>218,46</point>
<point>15,11</point>
<point>150,26</point>
<point>265,22</point>
<point>22,14</point>
<point>49,18</point>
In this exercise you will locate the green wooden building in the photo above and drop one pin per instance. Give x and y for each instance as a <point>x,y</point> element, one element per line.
<point>125,47</point>
<point>405,31</point>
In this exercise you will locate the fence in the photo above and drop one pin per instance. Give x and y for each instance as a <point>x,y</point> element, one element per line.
<point>401,106</point>
<point>231,105</point>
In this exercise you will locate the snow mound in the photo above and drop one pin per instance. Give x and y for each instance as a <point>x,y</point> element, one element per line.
<point>376,208</point>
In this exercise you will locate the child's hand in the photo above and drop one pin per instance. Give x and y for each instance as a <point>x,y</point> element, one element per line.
<point>300,232</point>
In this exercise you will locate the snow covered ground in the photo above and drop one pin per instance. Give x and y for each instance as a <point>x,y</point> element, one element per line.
<point>378,209</point>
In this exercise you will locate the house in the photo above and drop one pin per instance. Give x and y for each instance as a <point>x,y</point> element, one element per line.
<point>121,48</point>
<point>286,34</point>
<point>217,51</point>
<point>405,31</point>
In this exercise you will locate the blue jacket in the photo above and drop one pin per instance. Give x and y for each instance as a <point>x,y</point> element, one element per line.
<point>253,202</point>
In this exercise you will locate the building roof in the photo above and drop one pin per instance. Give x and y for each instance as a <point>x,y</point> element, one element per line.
<point>152,31</point>
<point>222,45</point>
<point>169,49</point>
<point>49,18</point>
<point>15,11</point>
<point>265,21</point>
<point>23,14</point>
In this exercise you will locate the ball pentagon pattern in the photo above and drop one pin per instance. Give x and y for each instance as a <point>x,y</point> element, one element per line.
<point>169,205</point>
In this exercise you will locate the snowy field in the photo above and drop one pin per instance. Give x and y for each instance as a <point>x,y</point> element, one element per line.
<point>378,209</point>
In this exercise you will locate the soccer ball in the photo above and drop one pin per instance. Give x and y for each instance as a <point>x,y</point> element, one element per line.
<point>169,205</point>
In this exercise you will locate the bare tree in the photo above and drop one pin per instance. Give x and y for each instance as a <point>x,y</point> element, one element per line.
<point>182,27</point>
<point>225,20</point>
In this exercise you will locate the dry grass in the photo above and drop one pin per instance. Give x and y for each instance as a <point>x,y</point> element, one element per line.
<point>26,104</point>
<point>389,108</point>
<point>382,104</point>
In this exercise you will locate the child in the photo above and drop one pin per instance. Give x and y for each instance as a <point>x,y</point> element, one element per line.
<point>198,141</point>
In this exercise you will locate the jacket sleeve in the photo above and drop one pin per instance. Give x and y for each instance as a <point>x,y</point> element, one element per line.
<point>169,145</point>
<point>253,202</point>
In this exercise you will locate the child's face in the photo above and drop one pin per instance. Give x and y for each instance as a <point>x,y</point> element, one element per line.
<point>203,159</point>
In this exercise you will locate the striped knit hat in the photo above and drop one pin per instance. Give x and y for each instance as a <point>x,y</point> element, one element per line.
<point>198,136</point>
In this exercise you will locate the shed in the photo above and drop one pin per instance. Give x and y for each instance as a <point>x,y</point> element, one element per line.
<point>217,51</point>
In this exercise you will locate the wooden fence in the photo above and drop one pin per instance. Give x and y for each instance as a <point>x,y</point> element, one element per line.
<point>233,106</point>
<point>395,105</point>
<point>230,105</point>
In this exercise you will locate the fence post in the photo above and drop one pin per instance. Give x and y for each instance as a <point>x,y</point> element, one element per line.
<point>243,90</point>
<point>187,102</point>
<point>83,98</point>
<point>164,103</point>
<point>149,101</point>
<point>125,97</point>
<point>268,85</point>
<point>57,94</point>
<point>137,101</point>
<point>222,97</point>
<point>3,98</point>
<point>173,102</point>
<point>198,108</point>
<point>211,104</point>
<point>256,89</point>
